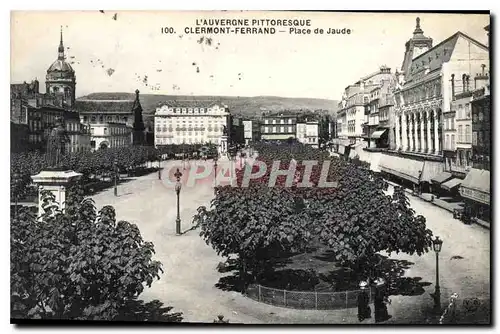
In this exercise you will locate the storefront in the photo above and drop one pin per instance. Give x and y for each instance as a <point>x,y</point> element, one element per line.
<point>452,186</point>
<point>402,170</point>
<point>475,190</point>
<point>437,182</point>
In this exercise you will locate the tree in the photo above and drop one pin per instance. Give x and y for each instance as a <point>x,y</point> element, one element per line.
<point>80,264</point>
<point>257,224</point>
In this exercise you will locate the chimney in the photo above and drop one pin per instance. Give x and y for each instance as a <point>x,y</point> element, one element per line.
<point>453,86</point>
<point>481,80</point>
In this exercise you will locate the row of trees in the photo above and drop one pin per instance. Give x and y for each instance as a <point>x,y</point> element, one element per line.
<point>355,220</point>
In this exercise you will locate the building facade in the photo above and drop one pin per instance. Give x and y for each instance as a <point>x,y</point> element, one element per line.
<point>308,132</point>
<point>110,135</point>
<point>279,126</point>
<point>252,131</point>
<point>423,95</point>
<point>78,134</point>
<point>191,122</point>
<point>351,115</point>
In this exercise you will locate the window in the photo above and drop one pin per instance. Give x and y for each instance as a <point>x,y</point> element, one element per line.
<point>468,133</point>
<point>460,111</point>
<point>266,121</point>
<point>447,142</point>
<point>467,110</point>
<point>460,133</point>
<point>453,142</point>
<point>282,121</point>
<point>274,121</point>
<point>92,131</point>
<point>289,121</point>
<point>452,124</point>
<point>105,131</point>
<point>274,129</point>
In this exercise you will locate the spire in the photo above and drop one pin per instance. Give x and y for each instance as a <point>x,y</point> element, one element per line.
<point>417,30</point>
<point>61,48</point>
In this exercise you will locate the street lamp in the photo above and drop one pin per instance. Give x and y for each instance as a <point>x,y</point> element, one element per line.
<point>178,175</point>
<point>436,245</point>
<point>215,175</point>
<point>159,166</point>
<point>16,177</point>
<point>115,176</point>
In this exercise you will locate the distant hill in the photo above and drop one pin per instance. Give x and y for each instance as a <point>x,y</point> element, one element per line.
<point>241,106</point>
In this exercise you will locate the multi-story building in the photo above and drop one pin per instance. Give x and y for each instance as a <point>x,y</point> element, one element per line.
<point>422,96</point>
<point>376,128</point>
<point>191,122</point>
<point>236,131</point>
<point>475,188</point>
<point>351,114</point>
<point>278,126</point>
<point>110,135</point>
<point>78,134</point>
<point>128,112</point>
<point>252,131</point>
<point>308,132</point>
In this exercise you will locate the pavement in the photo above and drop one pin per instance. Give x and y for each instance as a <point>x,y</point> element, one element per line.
<point>188,283</point>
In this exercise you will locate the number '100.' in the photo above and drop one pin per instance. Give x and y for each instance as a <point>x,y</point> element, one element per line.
<point>167,30</point>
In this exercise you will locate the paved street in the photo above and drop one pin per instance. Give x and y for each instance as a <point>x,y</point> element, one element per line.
<point>188,283</point>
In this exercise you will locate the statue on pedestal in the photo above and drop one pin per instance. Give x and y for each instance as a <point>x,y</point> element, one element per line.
<point>56,146</point>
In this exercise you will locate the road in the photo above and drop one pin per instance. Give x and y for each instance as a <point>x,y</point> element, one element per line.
<point>188,283</point>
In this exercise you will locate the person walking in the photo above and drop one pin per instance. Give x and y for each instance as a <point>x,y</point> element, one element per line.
<point>364,310</point>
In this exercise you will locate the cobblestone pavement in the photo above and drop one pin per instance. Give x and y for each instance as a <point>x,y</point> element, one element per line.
<point>188,283</point>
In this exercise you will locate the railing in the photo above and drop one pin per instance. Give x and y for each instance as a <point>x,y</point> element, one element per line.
<point>307,300</point>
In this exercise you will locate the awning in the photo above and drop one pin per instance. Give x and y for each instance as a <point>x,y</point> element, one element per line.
<point>441,177</point>
<point>449,185</point>
<point>405,168</point>
<point>378,134</point>
<point>476,186</point>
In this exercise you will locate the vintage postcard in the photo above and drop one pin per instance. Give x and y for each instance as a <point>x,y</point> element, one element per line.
<point>250,167</point>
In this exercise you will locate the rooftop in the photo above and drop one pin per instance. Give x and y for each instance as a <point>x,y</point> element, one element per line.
<point>111,106</point>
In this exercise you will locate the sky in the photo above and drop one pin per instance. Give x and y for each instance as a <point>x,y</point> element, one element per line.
<point>288,65</point>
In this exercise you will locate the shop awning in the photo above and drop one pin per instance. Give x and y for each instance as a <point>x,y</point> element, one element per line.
<point>476,186</point>
<point>441,177</point>
<point>405,168</point>
<point>451,184</point>
<point>378,134</point>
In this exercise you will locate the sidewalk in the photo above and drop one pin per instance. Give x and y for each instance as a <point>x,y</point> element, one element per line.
<point>440,203</point>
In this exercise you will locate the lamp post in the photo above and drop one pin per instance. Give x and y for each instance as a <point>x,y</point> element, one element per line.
<point>16,177</point>
<point>215,175</point>
<point>436,245</point>
<point>159,166</point>
<point>115,176</point>
<point>178,175</point>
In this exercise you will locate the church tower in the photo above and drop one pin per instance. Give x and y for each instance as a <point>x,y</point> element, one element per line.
<point>415,46</point>
<point>60,79</point>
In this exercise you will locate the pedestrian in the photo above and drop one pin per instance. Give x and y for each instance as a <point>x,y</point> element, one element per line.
<point>364,310</point>
<point>381,300</point>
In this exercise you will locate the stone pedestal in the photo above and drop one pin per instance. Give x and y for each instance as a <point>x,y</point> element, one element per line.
<point>56,182</point>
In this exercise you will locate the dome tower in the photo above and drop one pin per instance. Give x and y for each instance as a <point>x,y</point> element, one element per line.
<point>60,79</point>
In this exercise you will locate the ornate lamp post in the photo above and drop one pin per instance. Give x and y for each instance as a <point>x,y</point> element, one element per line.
<point>159,166</point>
<point>115,176</point>
<point>436,245</point>
<point>178,175</point>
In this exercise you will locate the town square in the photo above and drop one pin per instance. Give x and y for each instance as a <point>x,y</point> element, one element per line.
<point>218,181</point>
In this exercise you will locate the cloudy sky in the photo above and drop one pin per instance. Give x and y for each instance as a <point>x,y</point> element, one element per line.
<point>318,66</point>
